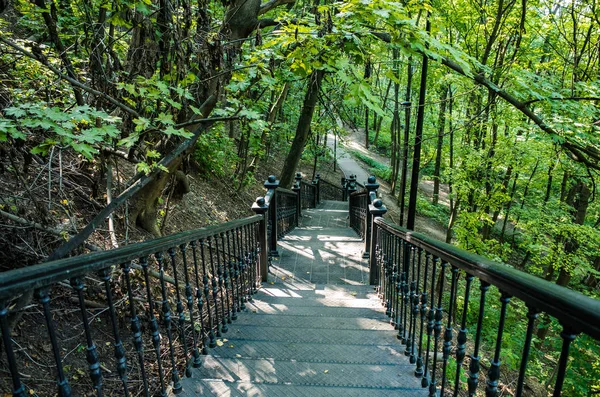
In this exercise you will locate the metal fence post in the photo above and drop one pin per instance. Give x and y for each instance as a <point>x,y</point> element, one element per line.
<point>260,208</point>
<point>377,209</point>
<point>298,186</point>
<point>371,187</point>
<point>271,184</point>
<point>318,183</point>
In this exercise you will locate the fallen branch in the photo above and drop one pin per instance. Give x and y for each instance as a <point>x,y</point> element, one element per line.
<point>35,225</point>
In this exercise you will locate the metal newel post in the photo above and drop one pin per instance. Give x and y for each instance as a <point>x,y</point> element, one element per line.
<point>271,184</point>
<point>344,189</point>
<point>298,178</point>
<point>371,187</point>
<point>260,208</point>
<point>296,189</point>
<point>377,209</point>
<point>318,183</point>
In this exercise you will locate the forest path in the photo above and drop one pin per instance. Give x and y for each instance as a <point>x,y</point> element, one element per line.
<point>315,329</point>
<point>355,141</point>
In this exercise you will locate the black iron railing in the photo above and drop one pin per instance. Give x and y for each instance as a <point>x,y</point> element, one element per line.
<point>308,194</point>
<point>287,214</point>
<point>428,288</point>
<point>177,293</point>
<point>359,203</point>
<point>441,300</point>
<point>329,191</point>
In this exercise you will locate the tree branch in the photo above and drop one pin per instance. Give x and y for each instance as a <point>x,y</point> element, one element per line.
<point>73,82</point>
<point>574,98</point>
<point>269,5</point>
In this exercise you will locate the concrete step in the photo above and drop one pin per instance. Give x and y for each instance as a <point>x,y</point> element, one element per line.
<point>312,352</point>
<point>284,333</point>
<point>222,388</point>
<point>315,322</point>
<point>298,372</point>
<point>283,310</point>
<point>319,297</point>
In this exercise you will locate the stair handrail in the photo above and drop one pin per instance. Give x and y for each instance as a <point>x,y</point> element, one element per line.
<point>404,265</point>
<point>206,275</point>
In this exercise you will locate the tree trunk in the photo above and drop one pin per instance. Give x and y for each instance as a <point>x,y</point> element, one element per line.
<point>416,165</point>
<point>407,110</point>
<point>440,142</point>
<point>302,129</point>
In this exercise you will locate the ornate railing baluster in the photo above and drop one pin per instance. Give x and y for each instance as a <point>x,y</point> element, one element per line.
<point>196,361</point>
<point>419,371</point>
<point>91,350</point>
<point>430,325</point>
<point>64,389</point>
<point>461,339</point>
<point>437,331</point>
<point>401,301</point>
<point>249,262</point>
<point>406,298</point>
<point>215,289</point>
<point>415,304</point>
<point>397,283</point>
<point>119,349</point>
<point>223,272</point>
<point>18,390</point>
<point>153,326</point>
<point>136,326</point>
<point>199,302</point>
<point>394,280</point>
<point>256,276</point>
<point>532,315</point>
<point>226,277</point>
<point>414,300</point>
<point>568,336</point>
<point>474,365</point>
<point>493,374</point>
<point>232,278</point>
<point>239,270</point>
<point>167,321</point>
<point>212,342</point>
<point>180,312</point>
<point>448,333</point>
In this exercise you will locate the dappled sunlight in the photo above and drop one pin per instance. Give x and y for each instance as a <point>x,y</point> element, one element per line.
<point>295,237</point>
<point>303,251</point>
<point>270,308</point>
<point>352,282</point>
<point>280,293</point>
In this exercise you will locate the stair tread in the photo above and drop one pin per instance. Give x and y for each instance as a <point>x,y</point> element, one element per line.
<point>316,322</point>
<point>312,352</point>
<point>223,388</point>
<point>283,310</point>
<point>308,373</point>
<point>285,333</point>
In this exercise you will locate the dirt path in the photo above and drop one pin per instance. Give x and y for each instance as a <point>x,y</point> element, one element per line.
<point>355,140</point>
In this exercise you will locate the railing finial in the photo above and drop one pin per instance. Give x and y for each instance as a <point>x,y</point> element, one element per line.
<point>271,182</point>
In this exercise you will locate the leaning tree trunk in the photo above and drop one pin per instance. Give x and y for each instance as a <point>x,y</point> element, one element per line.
<point>302,129</point>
